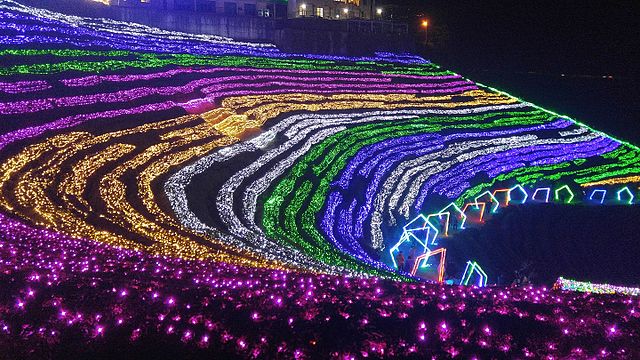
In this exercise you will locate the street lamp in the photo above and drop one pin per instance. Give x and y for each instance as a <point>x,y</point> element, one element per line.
<point>425,25</point>
<point>379,11</point>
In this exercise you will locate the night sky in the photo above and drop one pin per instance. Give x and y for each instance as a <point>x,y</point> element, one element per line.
<point>579,58</point>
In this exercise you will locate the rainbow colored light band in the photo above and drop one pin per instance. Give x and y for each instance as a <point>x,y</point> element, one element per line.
<point>161,174</point>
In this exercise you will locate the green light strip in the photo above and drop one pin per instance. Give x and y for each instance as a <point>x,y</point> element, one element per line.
<point>326,160</point>
<point>148,60</point>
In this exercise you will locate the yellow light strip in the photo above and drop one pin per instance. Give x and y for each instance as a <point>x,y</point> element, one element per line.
<point>56,180</point>
<point>614,181</point>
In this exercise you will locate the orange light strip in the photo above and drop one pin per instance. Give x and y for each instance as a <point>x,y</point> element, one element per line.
<point>502,191</point>
<point>426,257</point>
<point>475,205</point>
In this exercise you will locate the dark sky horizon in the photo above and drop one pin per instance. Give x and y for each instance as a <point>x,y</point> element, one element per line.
<point>594,37</point>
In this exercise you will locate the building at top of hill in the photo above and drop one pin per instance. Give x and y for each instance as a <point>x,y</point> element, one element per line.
<point>279,9</point>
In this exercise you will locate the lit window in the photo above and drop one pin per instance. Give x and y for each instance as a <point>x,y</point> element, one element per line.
<point>320,12</point>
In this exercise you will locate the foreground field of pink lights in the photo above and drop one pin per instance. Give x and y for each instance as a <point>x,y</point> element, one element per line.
<point>170,195</point>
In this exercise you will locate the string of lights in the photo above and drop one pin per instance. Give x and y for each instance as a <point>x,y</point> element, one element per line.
<point>150,178</point>
<point>587,287</point>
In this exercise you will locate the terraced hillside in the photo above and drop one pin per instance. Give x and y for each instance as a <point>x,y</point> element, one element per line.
<point>150,178</point>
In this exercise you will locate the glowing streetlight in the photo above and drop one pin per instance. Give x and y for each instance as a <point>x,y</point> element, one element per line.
<point>379,11</point>
<point>345,10</point>
<point>303,6</point>
<point>425,25</point>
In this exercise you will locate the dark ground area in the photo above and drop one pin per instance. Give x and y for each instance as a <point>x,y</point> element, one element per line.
<point>594,243</point>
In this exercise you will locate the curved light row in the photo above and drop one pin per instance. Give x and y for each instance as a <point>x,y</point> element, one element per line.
<point>31,25</point>
<point>309,162</point>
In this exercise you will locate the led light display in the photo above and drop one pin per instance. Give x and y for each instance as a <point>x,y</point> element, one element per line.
<point>545,191</point>
<point>419,230</point>
<point>492,198</point>
<point>425,257</point>
<point>164,174</point>
<point>473,268</point>
<point>598,191</point>
<point>587,287</point>
<point>478,207</point>
<point>523,194</point>
<point>564,188</point>
<point>613,181</point>
<point>625,192</point>
<point>250,96</point>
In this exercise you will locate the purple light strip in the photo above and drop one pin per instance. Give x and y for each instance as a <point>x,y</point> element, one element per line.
<point>84,37</point>
<point>69,121</point>
<point>452,183</point>
<point>383,156</point>
<point>228,82</point>
<point>98,79</point>
<point>23,87</point>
